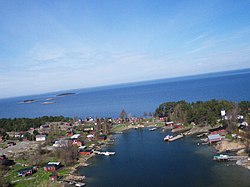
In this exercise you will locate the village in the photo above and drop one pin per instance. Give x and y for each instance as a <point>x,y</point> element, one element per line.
<point>57,149</point>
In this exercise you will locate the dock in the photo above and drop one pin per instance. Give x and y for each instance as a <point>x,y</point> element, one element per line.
<point>104,153</point>
<point>228,158</point>
<point>176,137</point>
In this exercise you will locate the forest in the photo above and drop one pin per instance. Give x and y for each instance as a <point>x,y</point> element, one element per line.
<point>202,112</point>
<point>24,124</point>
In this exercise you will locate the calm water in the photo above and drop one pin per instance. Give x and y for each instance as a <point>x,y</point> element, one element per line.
<point>134,98</point>
<point>143,159</point>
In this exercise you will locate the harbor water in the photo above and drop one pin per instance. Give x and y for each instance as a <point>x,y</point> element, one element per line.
<point>143,159</point>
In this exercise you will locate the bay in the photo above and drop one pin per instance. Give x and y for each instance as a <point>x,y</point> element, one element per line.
<point>143,159</point>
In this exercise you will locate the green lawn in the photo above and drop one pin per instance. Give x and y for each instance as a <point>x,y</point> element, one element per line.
<point>40,178</point>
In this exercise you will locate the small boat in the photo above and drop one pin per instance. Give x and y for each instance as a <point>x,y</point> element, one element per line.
<point>168,137</point>
<point>221,157</point>
<point>152,129</point>
<point>109,153</point>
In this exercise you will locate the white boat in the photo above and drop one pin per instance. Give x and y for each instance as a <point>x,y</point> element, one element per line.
<point>109,153</point>
<point>152,129</point>
<point>168,137</point>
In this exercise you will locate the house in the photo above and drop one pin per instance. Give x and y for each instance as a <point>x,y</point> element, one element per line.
<point>85,151</point>
<point>46,126</point>
<point>214,138</point>
<point>90,136</point>
<point>10,144</point>
<point>88,129</point>
<point>69,133</point>
<point>40,138</point>
<point>102,137</point>
<point>27,171</point>
<point>75,136</point>
<point>242,125</point>
<point>61,143</point>
<point>77,143</point>
<point>52,166</point>
<point>219,130</point>
<point>170,124</point>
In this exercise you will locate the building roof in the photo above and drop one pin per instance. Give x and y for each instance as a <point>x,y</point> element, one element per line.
<point>214,137</point>
<point>75,136</point>
<point>54,163</point>
<point>40,136</point>
<point>217,129</point>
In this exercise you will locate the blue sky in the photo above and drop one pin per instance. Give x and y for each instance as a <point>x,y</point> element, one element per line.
<point>56,45</point>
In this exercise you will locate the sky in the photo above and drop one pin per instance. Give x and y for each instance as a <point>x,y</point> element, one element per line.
<point>48,46</point>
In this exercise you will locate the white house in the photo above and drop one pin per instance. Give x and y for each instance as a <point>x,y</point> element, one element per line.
<point>40,138</point>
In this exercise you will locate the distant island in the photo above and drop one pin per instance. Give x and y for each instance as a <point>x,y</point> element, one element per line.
<point>28,101</point>
<point>65,94</point>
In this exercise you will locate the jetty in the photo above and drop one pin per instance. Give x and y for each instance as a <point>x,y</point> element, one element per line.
<point>106,153</point>
<point>176,137</point>
<point>173,138</point>
<point>222,157</point>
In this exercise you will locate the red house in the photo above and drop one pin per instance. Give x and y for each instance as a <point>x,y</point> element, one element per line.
<point>85,151</point>
<point>102,137</point>
<point>52,166</point>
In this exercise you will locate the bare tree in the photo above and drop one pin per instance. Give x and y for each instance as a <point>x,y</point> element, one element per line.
<point>232,118</point>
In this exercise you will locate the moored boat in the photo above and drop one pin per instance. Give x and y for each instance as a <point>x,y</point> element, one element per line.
<point>152,129</point>
<point>168,137</point>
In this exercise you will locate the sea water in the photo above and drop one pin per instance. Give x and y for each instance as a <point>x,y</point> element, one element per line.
<point>135,98</point>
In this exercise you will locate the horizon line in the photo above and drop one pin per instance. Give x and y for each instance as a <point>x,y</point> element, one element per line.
<point>130,83</point>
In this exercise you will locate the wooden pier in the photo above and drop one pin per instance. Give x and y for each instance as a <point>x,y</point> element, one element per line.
<point>229,158</point>
<point>104,153</point>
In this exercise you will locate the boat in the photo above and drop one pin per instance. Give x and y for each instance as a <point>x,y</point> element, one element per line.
<point>108,153</point>
<point>152,129</point>
<point>221,157</point>
<point>168,137</point>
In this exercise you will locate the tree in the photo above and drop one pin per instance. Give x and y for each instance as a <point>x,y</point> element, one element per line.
<point>232,118</point>
<point>35,132</point>
<point>68,155</point>
<point>123,115</point>
<point>3,181</point>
